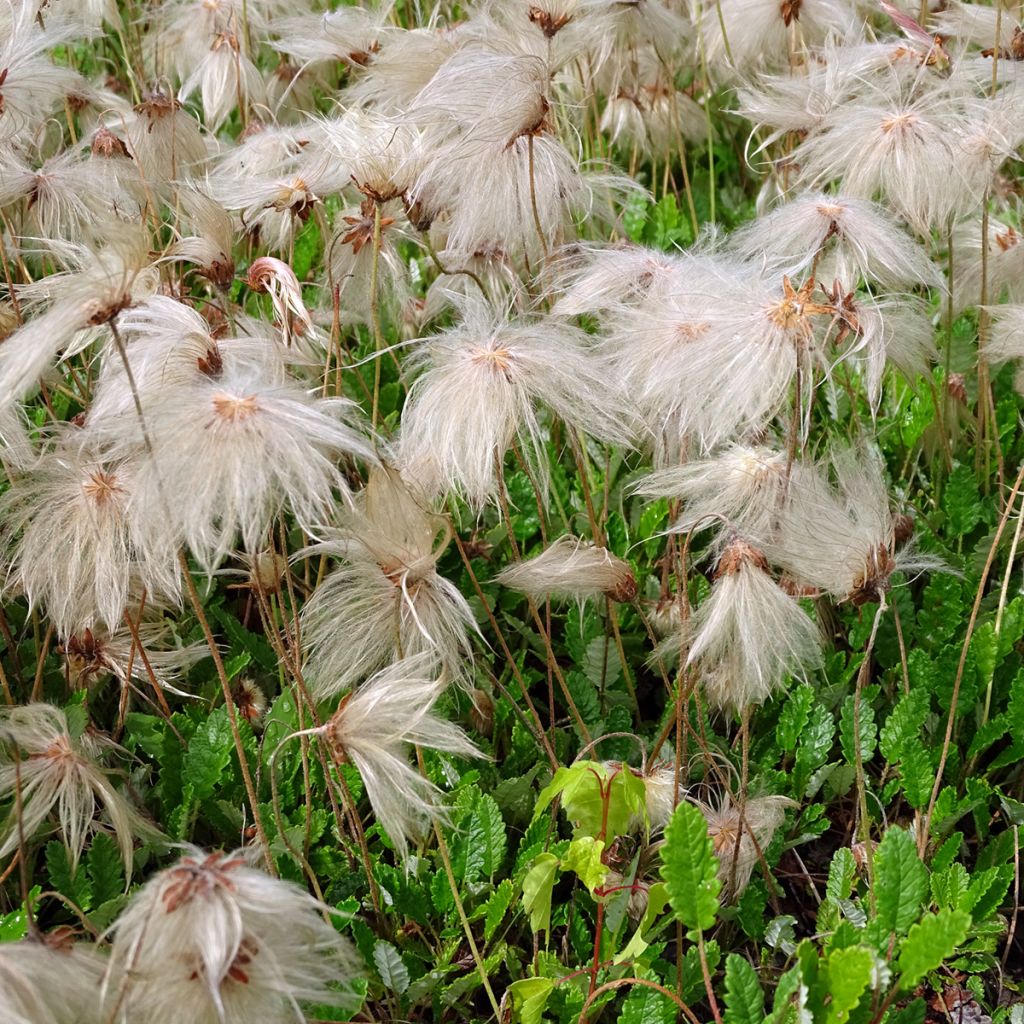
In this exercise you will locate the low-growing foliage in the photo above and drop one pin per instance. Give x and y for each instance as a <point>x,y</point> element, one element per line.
<point>511,512</point>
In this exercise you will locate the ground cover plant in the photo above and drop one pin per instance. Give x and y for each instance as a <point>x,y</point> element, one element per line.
<point>511,512</point>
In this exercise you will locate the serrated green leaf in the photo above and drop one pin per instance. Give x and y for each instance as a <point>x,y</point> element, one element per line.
<point>528,997</point>
<point>497,906</point>
<point>929,942</point>
<point>584,858</point>
<point>64,878</point>
<point>849,974</point>
<point>209,754</point>
<point>865,719</point>
<point>105,869</point>
<point>689,868</point>
<point>794,716</point>
<point>744,997</point>
<point>841,873</point>
<point>390,966</point>
<point>901,881</point>
<point>645,1005</point>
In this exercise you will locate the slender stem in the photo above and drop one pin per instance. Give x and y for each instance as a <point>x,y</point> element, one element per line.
<point>955,697</point>
<point>378,337</point>
<point>250,789</point>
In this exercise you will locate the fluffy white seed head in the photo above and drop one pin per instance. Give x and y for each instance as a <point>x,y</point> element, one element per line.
<point>749,636</point>
<point>49,980</point>
<point>213,940</point>
<point>61,774</point>
<point>483,384</point>
<point>387,600</point>
<point>571,567</point>
<point>374,728</point>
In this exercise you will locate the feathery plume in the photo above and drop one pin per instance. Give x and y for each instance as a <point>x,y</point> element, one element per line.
<point>213,940</point>
<point>480,390</point>
<point>49,980</point>
<point>572,568</point>
<point>61,770</point>
<point>388,601</point>
<point>749,635</point>
<point>374,727</point>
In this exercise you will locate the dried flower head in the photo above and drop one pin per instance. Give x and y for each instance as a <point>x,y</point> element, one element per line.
<point>571,567</point>
<point>740,840</point>
<point>375,726</point>
<point>212,940</point>
<point>59,767</point>
<point>387,601</point>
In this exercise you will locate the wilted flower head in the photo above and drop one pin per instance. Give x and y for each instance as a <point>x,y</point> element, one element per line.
<point>60,769</point>
<point>93,655</point>
<point>213,940</point>
<point>574,568</point>
<point>375,726</point>
<point>748,636</point>
<point>50,980</point>
<point>739,839</point>
<point>842,237</point>
<point>388,601</point>
<point>661,793</point>
<point>741,485</point>
<point>71,543</point>
<point>229,452</point>
<point>481,389</point>
<point>844,539</point>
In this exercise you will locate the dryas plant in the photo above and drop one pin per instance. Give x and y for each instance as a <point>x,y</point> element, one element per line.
<point>510,512</point>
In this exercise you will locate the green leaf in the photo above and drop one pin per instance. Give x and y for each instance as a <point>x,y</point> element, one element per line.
<point>497,906</point>
<point>209,754</point>
<point>961,501</point>
<point>841,873</point>
<point>929,942</point>
<point>690,868</point>
<point>528,997</point>
<point>645,1005</point>
<point>849,974</point>
<point>865,719</point>
<point>538,885</point>
<point>794,717</point>
<point>66,880</point>
<point>901,881</point>
<point>744,997</point>
<point>105,870</point>
<point>390,966</point>
<point>584,858</point>
<point>902,728</point>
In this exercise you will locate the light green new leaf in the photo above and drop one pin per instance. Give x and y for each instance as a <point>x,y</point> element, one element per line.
<point>528,997</point>
<point>849,974</point>
<point>690,868</point>
<point>584,857</point>
<point>537,888</point>
<point>929,942</point>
